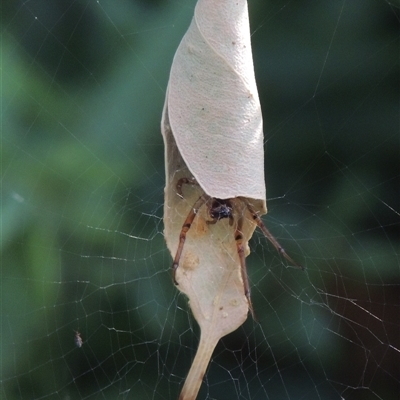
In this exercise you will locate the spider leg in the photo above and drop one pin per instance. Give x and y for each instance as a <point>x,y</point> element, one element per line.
<point>184,181</point>
<point>270,237</point>
<point>185,227</point>
<point>242,259</point>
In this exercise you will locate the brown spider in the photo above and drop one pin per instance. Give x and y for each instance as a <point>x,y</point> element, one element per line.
<point>219,209</point>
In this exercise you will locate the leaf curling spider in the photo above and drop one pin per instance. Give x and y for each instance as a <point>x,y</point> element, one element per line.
<point>219,209</point>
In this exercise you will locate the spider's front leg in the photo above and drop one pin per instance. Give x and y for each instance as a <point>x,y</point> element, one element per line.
<point>269,235</point>
<point>186,225</point>
<point>184,181</point>
<point>242,259</point>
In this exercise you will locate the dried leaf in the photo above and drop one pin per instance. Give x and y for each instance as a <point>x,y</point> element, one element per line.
<point>209,270</point>
<point>213,104</point>
<point>212,129</point>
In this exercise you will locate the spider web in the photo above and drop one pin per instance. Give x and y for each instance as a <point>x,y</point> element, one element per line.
<point>83,84</point>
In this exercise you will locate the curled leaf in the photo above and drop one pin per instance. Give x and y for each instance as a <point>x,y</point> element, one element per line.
<point>213,104</point>
<point>212,130</point>
<point>209,270</point>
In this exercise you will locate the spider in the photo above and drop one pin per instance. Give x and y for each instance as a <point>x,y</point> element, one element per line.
<point>219,209</point>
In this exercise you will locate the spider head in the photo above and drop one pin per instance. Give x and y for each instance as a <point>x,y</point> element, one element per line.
<point>220,209</point>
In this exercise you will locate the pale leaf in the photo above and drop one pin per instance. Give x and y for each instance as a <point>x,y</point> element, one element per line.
<point>212,129</point>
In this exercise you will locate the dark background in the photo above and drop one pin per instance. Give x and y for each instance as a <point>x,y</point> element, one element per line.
<point>83,84</point>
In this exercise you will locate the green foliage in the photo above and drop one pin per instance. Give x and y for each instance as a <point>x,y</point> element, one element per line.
<point>83,84</point>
